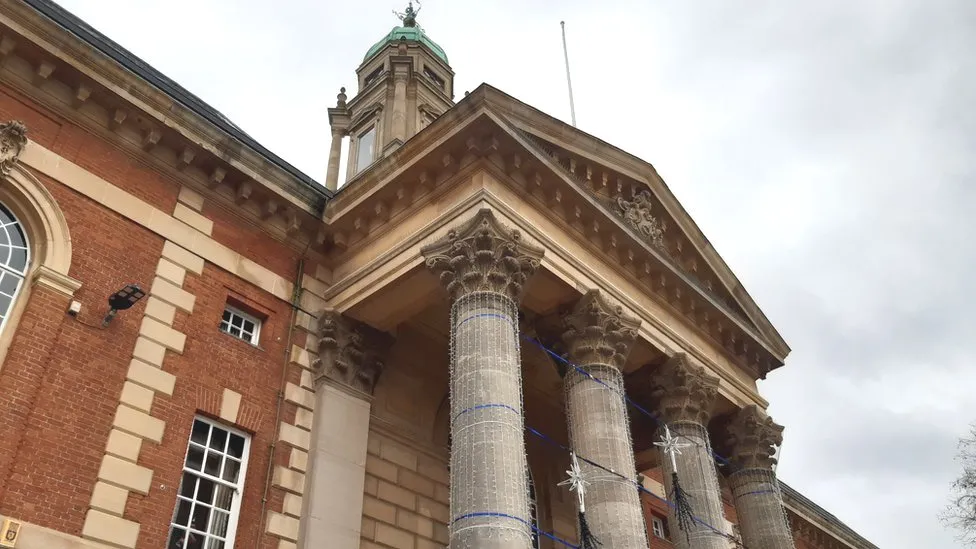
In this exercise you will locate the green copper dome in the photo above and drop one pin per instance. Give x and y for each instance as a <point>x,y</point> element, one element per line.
<point>411,34</point>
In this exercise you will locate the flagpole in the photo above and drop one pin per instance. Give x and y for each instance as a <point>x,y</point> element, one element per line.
<point>569,81</point>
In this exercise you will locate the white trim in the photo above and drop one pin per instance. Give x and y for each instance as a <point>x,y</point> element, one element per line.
<point>657,527</point>
<point>255,336</point>
<point>16,225</point>
<point>238,487</point>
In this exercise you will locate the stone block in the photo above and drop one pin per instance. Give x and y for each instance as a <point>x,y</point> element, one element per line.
<point>433,510</point>
<point>393,537</point>
<point>172,294</point>
<point>182,257</point>
<point>367,528</point>
<point>382,469</point>
<point>109,529</point>
<point>415,523</point>
<point>160,310</point>
<point>379,510</point>
<point>170,271</point>
<point>396,495</point>
<point>191,198</point>
<point>288,480</point>
<point>303,419</point>
<point>162,334</point>
<point>123,445</point>
<point>292,505</point>
<point>137,396</point>
<point>416,483</point>
<point>193,219</point>
<point>294,436</point>
<point>282,526</point>
<point>298,460</point>
<point>371,485</point>
<point>230,405</point>
<point>299,396</point>
<point>395,453</point>
<point>108,498</point>
<point>148,350</point>
<point>138,423</point>
<point>125,474</point>
<point>151,377</point>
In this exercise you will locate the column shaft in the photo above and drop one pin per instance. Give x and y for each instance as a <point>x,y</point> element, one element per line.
<point>696,472</point>
<point>489,500</point>
<point>599,431</point>
<point>759,506</point>
<point>400,107</point>
<point>332,173</point>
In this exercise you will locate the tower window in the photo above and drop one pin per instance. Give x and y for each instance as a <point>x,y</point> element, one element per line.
<point>364,154</point>
<point>373,76</point>
<point>209,498</point>
<point>433,77</point>
<point>657,527</point>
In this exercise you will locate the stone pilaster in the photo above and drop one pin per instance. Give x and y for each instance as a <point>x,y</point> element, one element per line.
<point>350,360</point>
<point>484,266</point>
<point>335,151</point>
<point>598,338</point>
<point>752,440</point>
<point>685,394</point>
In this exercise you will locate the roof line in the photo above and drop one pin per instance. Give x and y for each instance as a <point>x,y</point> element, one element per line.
<point>140,68</point>
<point>792,493</point>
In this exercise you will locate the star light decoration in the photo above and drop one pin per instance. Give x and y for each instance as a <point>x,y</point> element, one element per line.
<point>671,447</point>
<point>576,481</point>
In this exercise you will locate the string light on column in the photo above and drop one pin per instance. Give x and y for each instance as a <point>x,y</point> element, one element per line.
<point>578,483</point>
<point>672,447</point>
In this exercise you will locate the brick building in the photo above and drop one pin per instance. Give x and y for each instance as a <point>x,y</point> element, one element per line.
<point>282,376</point>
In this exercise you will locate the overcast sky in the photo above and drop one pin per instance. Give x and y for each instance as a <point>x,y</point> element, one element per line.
<point>824,147</point>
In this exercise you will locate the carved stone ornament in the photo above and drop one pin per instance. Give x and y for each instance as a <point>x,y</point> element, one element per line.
<point>637,214</point>
<point>753,438</point>
<point>350,352</point>
<point>13,139</point>
<point>683,391</point>
<point>598,332</point>
<point>483,256</point>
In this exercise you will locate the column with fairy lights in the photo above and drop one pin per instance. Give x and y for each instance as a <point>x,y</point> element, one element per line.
<point>685,394</point>
<point>598,337</point>
<point>484,266</point>
<point>752,439</point>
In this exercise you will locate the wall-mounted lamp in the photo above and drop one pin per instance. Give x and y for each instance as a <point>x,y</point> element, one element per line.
<point>122,300</point>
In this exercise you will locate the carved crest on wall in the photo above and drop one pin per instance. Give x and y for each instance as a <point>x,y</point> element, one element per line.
<point>13,139</point>
<point>637,214</point>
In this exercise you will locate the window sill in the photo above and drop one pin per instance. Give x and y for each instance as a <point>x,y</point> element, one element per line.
<point>241,341</point>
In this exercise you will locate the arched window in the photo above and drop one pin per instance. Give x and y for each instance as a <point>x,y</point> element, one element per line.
<point>14,259</point>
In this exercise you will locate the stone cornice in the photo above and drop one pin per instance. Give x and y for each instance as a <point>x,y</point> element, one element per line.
<point>179,135</point>
<point>350,353</point>
<point>598,332</point>
<point>683,392</point>
<point>483,256</point>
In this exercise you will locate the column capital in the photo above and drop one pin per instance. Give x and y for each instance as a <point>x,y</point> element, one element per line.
<point>350,352</point>
<point>753,437</point>
<point>684,392</point>
<point>598,332</point>
<point>483,256</point>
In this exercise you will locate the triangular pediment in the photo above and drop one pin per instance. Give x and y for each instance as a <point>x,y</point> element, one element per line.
<point>620,207</point>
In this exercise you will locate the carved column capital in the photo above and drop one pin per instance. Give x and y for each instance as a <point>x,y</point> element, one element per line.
<point>598,332</point>
<point>13,139</point>
<point>483,256</point>
<point>683,391</point>
<point>752,438</point>
<point>350,353</point>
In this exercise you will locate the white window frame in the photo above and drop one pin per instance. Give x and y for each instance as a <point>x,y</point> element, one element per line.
<point>359,150</point>
<point>657,527</point>
<point>255,337</point>
<point>235,506</point>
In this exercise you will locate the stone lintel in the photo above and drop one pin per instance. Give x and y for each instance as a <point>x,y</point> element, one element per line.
<point>683,392</point>
<point>350,353</point>
<point>482,255</point>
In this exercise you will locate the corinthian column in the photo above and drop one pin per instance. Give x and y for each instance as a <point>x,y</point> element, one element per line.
<point>598,339</point>
<point>349,363</point>
<point>753,438</point>
<point>483,266</point>
<point>685,394</point>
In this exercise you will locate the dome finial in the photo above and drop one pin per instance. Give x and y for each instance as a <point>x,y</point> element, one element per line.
<point>409,17</point>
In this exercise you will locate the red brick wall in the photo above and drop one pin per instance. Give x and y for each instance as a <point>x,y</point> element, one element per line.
<point>63,377</point>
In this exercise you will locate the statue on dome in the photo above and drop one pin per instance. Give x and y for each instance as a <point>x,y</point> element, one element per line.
<point>409,17</point>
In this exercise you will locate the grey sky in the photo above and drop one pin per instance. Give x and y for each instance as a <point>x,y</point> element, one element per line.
<point>824,148</point>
